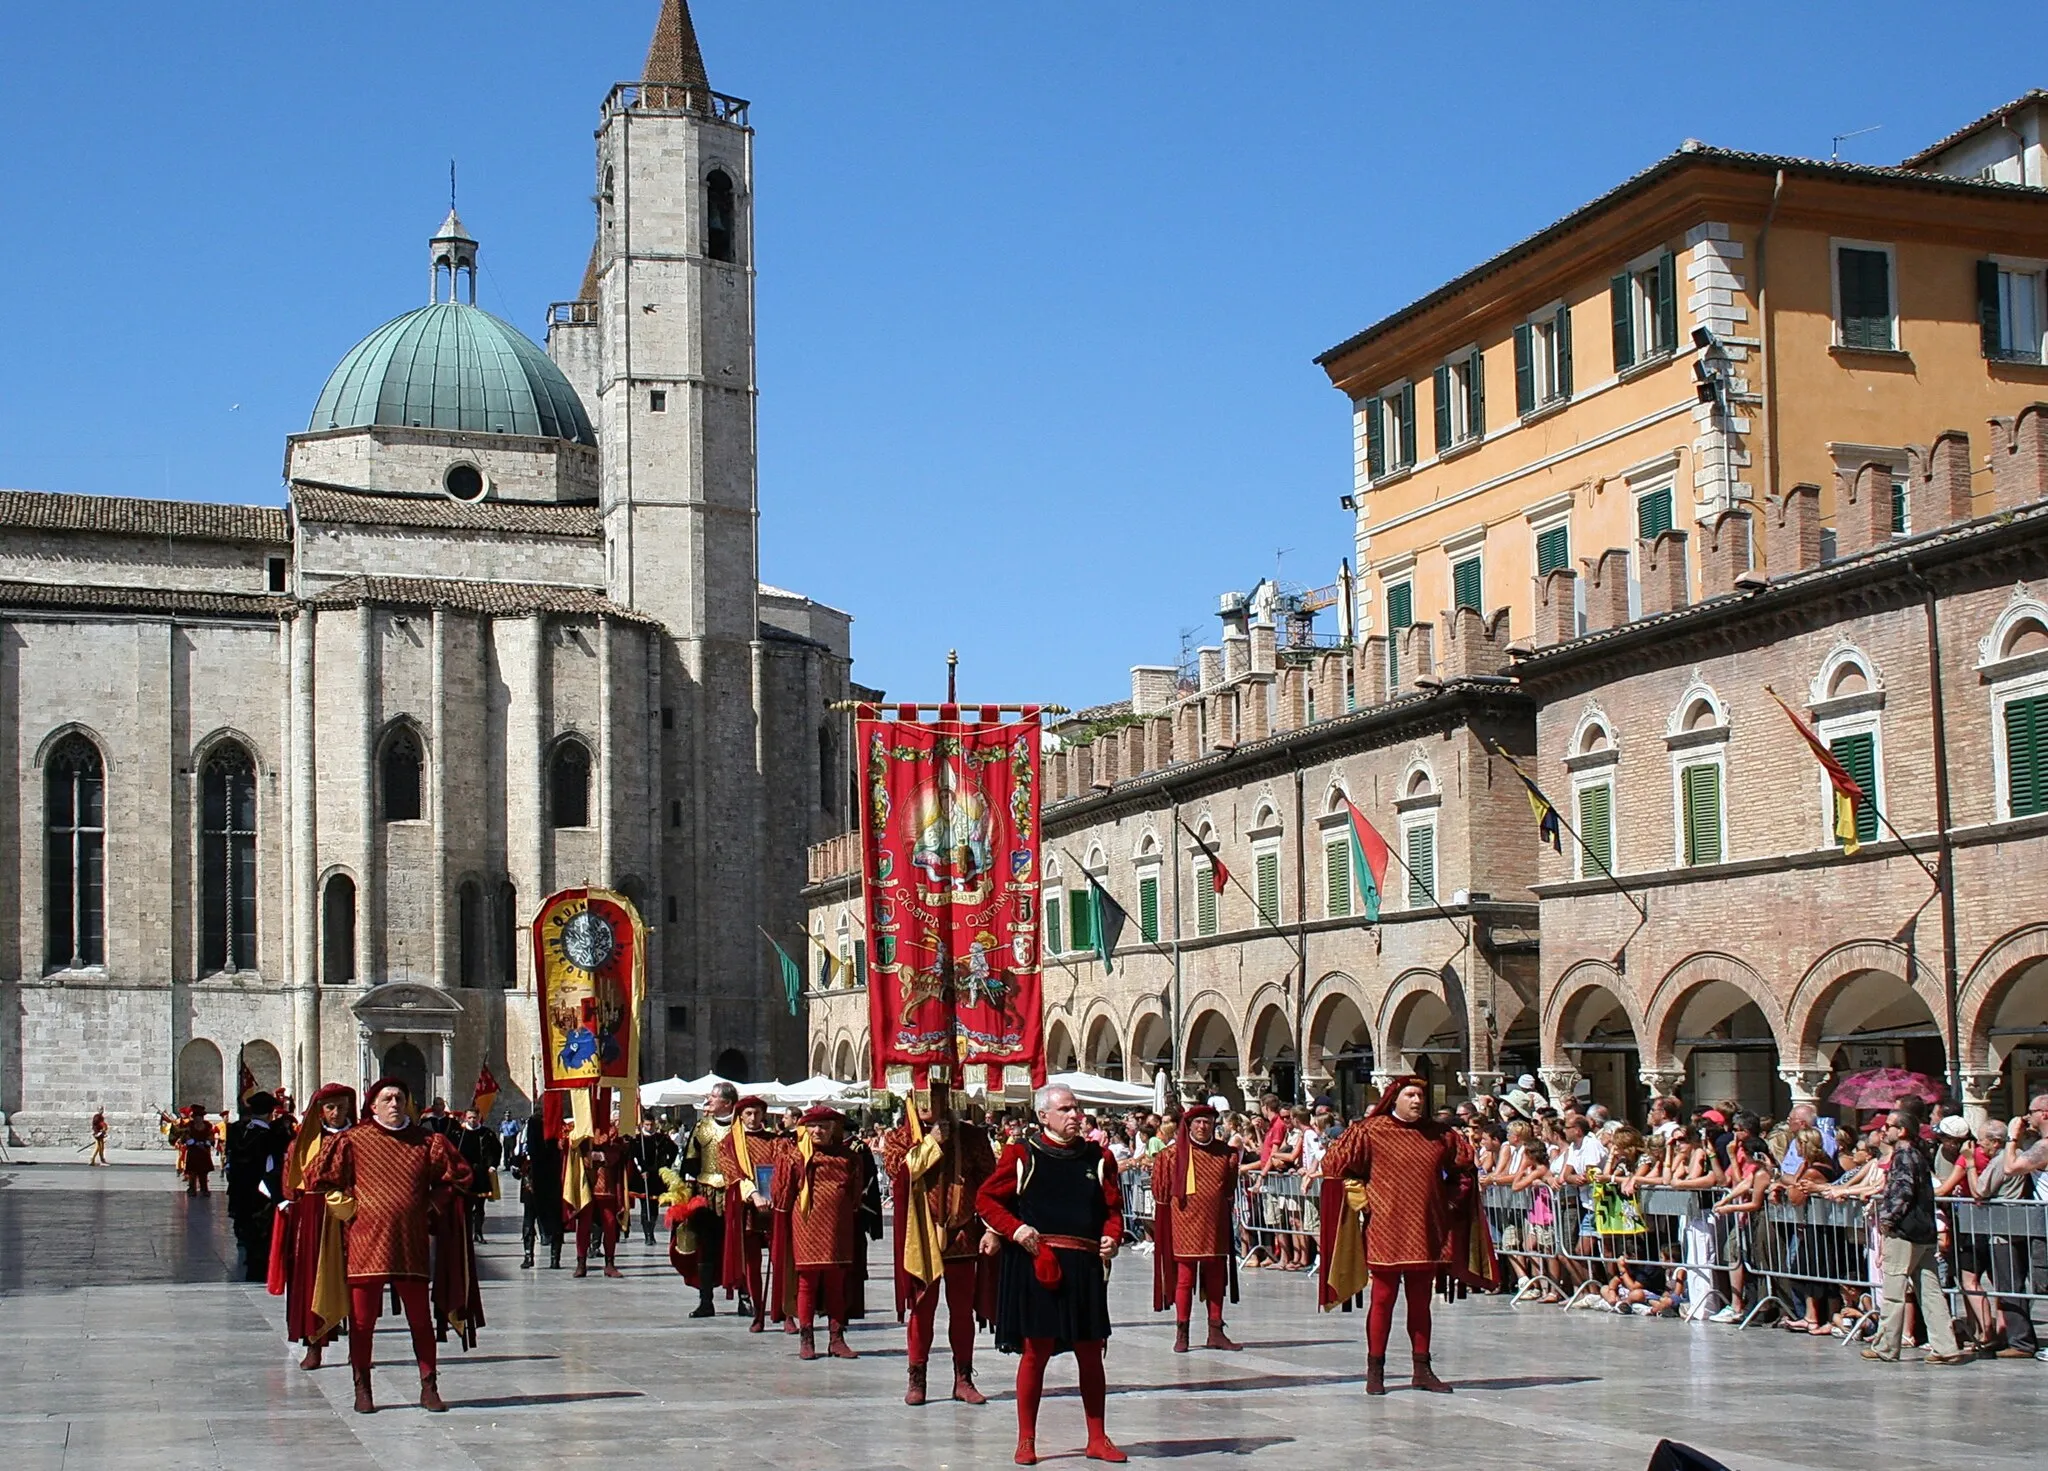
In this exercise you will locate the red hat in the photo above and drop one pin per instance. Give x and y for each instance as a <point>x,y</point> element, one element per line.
<point>331,1093</point>
<point>822,1115</point>
<point>1196,1111</point>
<point>1385,1105</point>
<point>752,1100</point>
<point>1714,1116</point>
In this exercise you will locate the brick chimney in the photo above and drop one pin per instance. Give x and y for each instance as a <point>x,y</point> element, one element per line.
<point>1938,482</point>
<point>1606,589</point>
<point>1262,648</point>
<point>1557,606</point>
<point>1187,732</point>
<point>1291,711</point>
<point>1254,709</point>
<point>1237,655</point>
<point>1724,551</point>
<point>1222,720</point>
<point>1474,644</point>
<point>1863,508</point>
<point>1130,754</point>
<point>1664,576</point>
<point>1152,688</point>
<point>2019,458</point>
<point>1210,664</point>
<point>1792,534</point>
<point>1081,768</point>
<point>1418,653</point>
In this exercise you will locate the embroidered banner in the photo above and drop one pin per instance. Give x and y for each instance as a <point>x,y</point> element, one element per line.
<point>589,957</point>
<point>949,847</point>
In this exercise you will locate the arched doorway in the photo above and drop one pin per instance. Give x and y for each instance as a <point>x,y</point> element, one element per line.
<point>1151,1049</point>
<point>1213,1056</point>
<point>1105,1056</point>
<point>1600,1041</point>
<point>405,1062</point>
<point>1874,1020</point>
<point>1339,1035</point>
<point>731,1065</point>
<point>1729,1052</point>
<point>264,1065</point>
<point>200,1077</point>
<point>842,1065</point>
<point>1273,1054</point>
<point>2017,1024</point>
<point>1060,1056</point>
<point>1424,1037</point>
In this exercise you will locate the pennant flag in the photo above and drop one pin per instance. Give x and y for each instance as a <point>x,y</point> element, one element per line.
<point>1369,855</point>
<point>486,1092</point>
<point>1110,919</point>
<point>246,1083</point>
<point>1548,828</point>
<point>792,978</point>
<point>834,967</point>
<point>1847,790</point>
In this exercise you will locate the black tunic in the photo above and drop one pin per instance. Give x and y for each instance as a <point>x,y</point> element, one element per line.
<point>1061,1196</point>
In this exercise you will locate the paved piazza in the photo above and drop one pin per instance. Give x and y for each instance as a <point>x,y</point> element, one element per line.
<point>122,1345</point>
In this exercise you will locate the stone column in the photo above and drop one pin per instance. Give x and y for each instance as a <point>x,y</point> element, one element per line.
<point>369,913</point>
<point>1805,1083</point>
<point>1662,1082</point>
<point>367,1055</point>
<point>1977,1090</point>
<point>305,897</point>
<point>1382,1079</point>
<point>605,874</point>
<point>1314,1085</point>
<point>1254,1086</point>
<point>1483,1083</point>
<point>1194,1088</point>
<point>446,1089</point>
<point>1560,1081</point>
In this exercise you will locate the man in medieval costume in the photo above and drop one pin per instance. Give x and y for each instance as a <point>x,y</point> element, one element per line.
<point>1194,1193</point>
<point>699,1238</point>
<point>537,1161</point>
<point>255,1168</point>
<point>393,1175</point>
<point>602,1158</point>
<point>1407,1183</point>
<point>1054,1203</point>
<point>308,1264</point>
<point>195,1139</point>
<point>99,1138</point>
<point>936,1167</point>
<point>819,1189</point>
<point>746,1164</point>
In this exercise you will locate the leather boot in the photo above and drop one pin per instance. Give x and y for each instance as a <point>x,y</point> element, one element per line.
<point>365,1405</point>
<point>611,1268</point>
<point>1180,1337</point>
<point>1376,1374</point>
<point>914,1395</point>
<point>527,1260</point>
<point>1100,1446</point>
<point>964,1390</point>
<point>836,1344</point>
<point>430,1394</point>
<point>808,1340</point>
<point>1425,1377</point>
<point>312,1358</point>
<point>582,1266</point>
<point>555,1254</point>
<point>705,1307</point>
<point>1219,1339</point>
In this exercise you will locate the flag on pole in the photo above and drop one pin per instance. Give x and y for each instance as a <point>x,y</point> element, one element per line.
<point>792,977</point>
<point>1847,791</point>
<point>1219,876</point>
<point>1369,855</point>
<point>1548,828</point>
<point>1110,919</point>
<point>835,966</point>
<point>245,1084</point>
<point>485,1093</point>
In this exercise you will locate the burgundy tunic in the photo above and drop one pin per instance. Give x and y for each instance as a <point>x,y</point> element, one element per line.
<point>393,1176</point>
<point>1420,1179</point>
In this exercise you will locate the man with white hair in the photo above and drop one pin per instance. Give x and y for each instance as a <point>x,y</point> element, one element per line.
<point>1053,1210</point>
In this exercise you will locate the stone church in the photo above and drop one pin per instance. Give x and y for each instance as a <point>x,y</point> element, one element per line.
<point>294,781</point>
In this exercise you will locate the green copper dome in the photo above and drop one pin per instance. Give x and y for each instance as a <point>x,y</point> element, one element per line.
<point>451,366</point>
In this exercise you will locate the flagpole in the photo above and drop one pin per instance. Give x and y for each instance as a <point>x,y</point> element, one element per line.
<point>1643,914</point>
<point>1068,854</point>
<point>1231,878</point>
<point>1883,821</point>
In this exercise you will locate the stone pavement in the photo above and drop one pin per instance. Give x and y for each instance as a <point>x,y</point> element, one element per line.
<point>123,1344</point>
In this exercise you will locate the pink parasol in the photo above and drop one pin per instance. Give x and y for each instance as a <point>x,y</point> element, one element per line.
<point>1883,1087</point>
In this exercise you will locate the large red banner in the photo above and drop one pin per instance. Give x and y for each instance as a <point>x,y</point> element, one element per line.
<point>949,839</point>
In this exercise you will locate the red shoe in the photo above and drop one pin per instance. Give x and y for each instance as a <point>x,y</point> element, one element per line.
<point>1102,1448</point>
<point>836,1345</point>
<point>1027,1451</point>
<point>809,1350</point>
<point>1219,1339</point>
<point>964,1390</point>
<point>612,1271</point>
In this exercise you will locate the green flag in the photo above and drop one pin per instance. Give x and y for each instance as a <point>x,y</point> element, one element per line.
<point>1110,919</point>
<point>792,978</point>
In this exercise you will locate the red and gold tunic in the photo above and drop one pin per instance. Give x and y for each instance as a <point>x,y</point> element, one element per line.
<point>393,1175</point>
<point>823,1196</point>
<point>1197,1225</point>
<point>605,1159</point>
<point>1420,1181</point>
<point>949,1186</point>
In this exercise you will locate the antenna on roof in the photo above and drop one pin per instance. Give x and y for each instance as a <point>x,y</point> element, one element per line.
<point>1835,153</point>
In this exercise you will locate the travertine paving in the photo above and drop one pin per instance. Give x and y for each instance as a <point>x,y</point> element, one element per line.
<point>122,1345</point>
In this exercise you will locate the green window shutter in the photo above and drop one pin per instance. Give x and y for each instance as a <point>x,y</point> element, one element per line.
<point>1702,792</point>
<point>1337,878</point>
<point>1562,388</point>
<point>1991,330</point>
<point>1525,370</point>
<point>1375,438</point>
<point>1205,901</point>
<point>860,963</point>
<point>1442,387</point>
<point>1148,909</point>
<point>1596,829</point>
<point>1858,755</point>
<point>1421,864</point>
<point>1081,918</point>
<point>1667,302</point>
<point>1407,427</point>
<point>1553,550</point>
<point>1475,409</point>
<point>1465,584</point>
<point>1269,887</point>
<point>1400,605</point>
<point>1653,514</point>
<point>1054,942</point>
<point>2026,755</point>
<point>1618,291</point>
<point>1898,508</point>
<point>1864,278</point>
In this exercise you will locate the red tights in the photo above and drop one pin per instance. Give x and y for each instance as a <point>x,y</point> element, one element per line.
<point>1210,1270</point>
<point>365,1299</point>
<point>958,1284</point>
<point>821,1288</point>
<point>1031,1383</point>
<point>1379,1318</point>
<point>607,1222</point>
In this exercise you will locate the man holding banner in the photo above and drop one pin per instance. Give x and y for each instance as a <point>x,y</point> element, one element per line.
<point>936,1165</point>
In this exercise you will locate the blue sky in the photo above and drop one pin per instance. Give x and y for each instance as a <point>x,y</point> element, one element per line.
<point>1039,283</point>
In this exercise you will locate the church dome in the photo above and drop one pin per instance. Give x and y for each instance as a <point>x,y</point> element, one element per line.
<point>449,365</point>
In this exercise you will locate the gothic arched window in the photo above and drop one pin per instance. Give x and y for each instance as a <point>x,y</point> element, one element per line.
<point>338,931</point>
<point>75,829</point>
<point>469,934</point>
<point>227,861</point>
<point>720,237</point>
<point>401,773</point>
<point>507,918</point>
<point>569,785</point>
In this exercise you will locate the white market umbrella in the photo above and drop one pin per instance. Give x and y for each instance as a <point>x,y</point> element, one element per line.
<point>668,1093</point>
<point>1088,1088</point>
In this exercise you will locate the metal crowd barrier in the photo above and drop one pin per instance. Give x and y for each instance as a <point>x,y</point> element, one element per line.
<point>2003,1244</point>
<point>1272,1206</point>
<point>1818,1249</point>
<point>1653,1229</point>
<point>1523,1224</point>
<point>1135,1181</point>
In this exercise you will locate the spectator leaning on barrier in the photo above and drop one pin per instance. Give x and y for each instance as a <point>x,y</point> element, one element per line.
<point>2020,1262</point>
<point>1904,1215</point>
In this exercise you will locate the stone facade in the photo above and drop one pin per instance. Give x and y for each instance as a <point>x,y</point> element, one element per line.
<point>570,639</point>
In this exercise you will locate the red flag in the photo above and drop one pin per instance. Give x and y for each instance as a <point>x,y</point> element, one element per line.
<point>1847,790</point>
<point>1369,861</point>
<point>1219,876</point>
<point>486,1092</point>
<point>246,1083</point>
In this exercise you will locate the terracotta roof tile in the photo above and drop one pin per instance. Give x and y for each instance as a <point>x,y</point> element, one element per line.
<point>673,59</point>
<point>316,502</point>
<point>492,599</point>
<point>120,515</point>
<point>74,597</point>
<point>1919,160</point>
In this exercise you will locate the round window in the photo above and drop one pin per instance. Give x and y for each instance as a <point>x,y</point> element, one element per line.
<point>464,482</point>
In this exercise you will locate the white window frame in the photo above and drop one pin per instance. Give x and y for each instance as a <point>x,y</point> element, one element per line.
<point>1836,245</point>
<point>1697,748</point>
<point>2025,687</point>
<point>1413,822</point>
<point>1147,867</point>
<point>2010,677</point>
<point>2012,265</point>
<point>1395,461</point>
<point>1458,374</point>
<point>1601,776</point>
<point>1544,359</point>
<point>1642,307</point>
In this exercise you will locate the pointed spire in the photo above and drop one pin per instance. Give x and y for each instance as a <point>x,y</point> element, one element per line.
<point>673,59</point>
<point>588,290</point>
